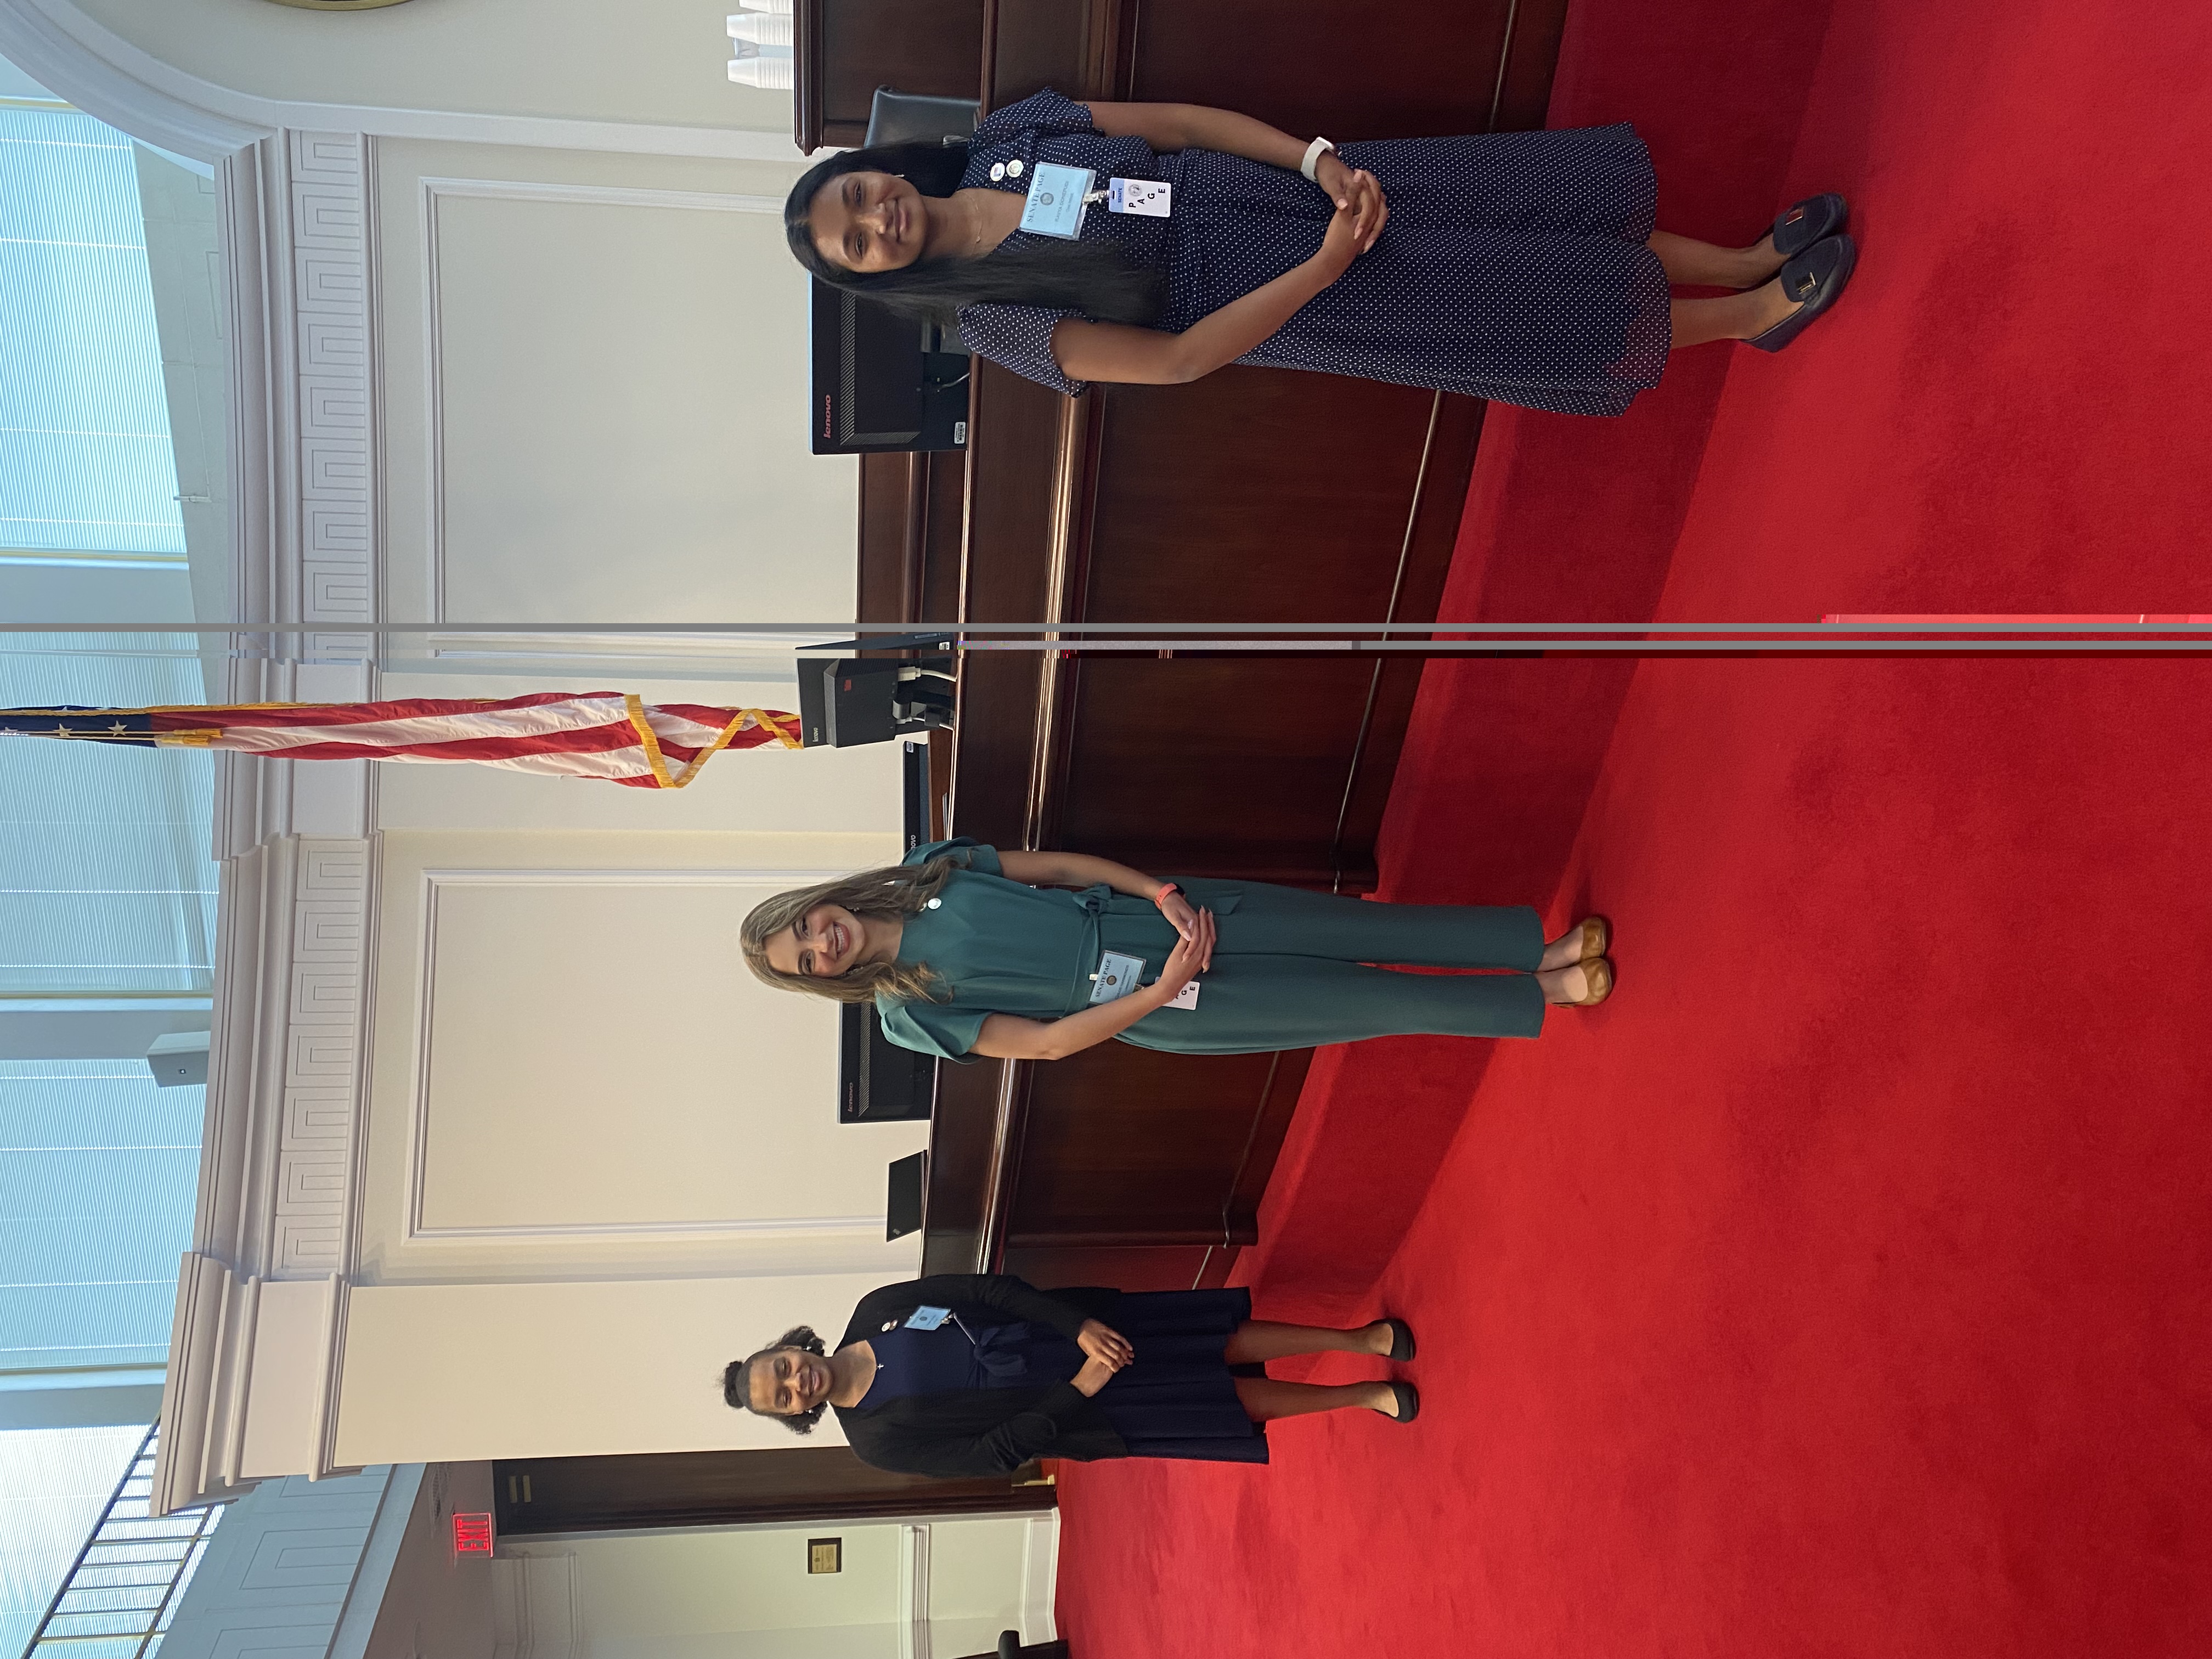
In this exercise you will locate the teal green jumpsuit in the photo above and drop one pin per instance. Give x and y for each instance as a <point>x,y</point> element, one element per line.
<point>1286,970</point>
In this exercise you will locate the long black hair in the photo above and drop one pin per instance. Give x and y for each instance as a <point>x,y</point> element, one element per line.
<point>1090,277</point>
<point>738,1380</point>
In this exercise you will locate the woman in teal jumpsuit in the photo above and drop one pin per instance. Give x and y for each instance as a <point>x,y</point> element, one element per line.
<point>967,951</point>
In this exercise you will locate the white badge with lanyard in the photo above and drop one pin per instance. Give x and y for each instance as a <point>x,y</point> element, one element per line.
<point>1059,196</point>
<point>1119,974</point>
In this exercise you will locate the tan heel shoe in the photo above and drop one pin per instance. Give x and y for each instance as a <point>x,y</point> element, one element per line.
<point>1597,938</point>
<point>1600,975</point>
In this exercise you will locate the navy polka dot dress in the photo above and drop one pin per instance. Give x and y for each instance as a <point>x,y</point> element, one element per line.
<point>1513,268</point>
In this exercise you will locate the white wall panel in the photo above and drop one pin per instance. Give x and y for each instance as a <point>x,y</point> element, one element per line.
<point>595,375</point>
<point>594,1057</point>
<point>439,1372</point>
<point>573,1074</point>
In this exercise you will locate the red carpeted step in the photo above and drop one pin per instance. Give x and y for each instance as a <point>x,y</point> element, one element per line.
<point>1839,1288</point>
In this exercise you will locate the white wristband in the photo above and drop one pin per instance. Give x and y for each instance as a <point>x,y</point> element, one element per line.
<point>1313,157</point>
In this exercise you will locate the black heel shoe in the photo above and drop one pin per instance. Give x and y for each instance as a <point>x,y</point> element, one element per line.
<point>1409,1399</point>
<point>1402,1340</point>
<point>1814,278</point>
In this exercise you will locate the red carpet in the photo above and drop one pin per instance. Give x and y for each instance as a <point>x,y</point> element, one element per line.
<point>1843,1287</point>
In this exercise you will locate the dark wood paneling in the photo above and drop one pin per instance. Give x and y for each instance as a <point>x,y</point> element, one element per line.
<point>893,496</point>
<point>685,1489</point>
<point>945,525</point>
<point>1171,541</point>
<point>1252,787</point>
<point>1011,500</point>
<point>913,514</point>
<point>1156,1267</point>
<point>1072,44</point>
<point>1255,494</point>
<point>1310,66</point>
<point>847,48</point>
<point>961,1135</point>
<point>1123,1144</point>
<point>1447,465</point>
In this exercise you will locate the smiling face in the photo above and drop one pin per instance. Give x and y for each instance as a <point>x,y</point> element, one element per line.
<point>785,1381</point>
<point>822,943</point>
<point>868,222</point>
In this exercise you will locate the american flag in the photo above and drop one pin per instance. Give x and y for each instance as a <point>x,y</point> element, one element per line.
<point>593,734</point>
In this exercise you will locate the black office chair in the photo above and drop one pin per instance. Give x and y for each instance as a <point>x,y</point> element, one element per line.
<point>906,117</point>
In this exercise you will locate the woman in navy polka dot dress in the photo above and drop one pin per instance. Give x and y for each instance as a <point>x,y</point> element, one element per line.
<point>1520,267</point>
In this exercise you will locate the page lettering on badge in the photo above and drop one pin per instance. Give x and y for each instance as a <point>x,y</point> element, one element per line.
<point>1146,196</point>
<point>1118,975</point>
<point>1186,998</point>
<point>1055,202</point>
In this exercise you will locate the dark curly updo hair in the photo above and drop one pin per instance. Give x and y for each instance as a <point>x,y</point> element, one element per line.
<point>738,1380</point>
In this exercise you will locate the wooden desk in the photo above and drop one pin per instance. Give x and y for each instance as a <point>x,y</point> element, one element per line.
<point>1251,496</point>
<point>845,49</point>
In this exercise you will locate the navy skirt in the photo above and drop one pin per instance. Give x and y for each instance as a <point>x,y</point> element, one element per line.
<point>1177,1398</point>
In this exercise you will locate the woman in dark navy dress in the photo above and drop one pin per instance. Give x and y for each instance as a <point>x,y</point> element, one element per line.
<point>1520,267</point>
<point>957,1375</point>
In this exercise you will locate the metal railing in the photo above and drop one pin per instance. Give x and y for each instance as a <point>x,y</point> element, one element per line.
<point>123,1588</point>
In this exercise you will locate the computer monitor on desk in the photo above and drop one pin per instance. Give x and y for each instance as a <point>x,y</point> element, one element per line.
<point>881,382</point>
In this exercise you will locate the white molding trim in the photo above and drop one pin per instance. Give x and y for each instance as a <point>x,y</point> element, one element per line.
<point>103,75</point>
<point>330,267</point>
<point>528,190</point>
<point>435,189</point>
<point>287,1087</point>
<point>298,247</point>
<point>913,1604</point>
<point>418,1115</point>
<point>1041,1577</point>
<point>95,68</point>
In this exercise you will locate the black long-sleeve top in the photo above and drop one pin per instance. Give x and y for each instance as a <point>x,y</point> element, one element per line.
<point>981,1432</point>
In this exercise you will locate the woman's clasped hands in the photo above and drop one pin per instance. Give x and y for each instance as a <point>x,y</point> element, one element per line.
<point>1194,951</point>
<point>1361,209</point>
<point>1105,1351</point>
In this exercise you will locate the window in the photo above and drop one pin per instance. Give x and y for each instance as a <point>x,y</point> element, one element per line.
<point>112,508</point>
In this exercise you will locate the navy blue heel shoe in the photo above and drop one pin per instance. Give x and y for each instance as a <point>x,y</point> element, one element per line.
<point>1803,223</point>
<point>1813,279</point>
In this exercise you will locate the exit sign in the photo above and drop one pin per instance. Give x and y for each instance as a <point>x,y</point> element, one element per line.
<point>472,1535</point>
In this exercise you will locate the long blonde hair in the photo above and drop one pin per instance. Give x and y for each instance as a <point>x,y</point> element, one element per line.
<point>899,890</point>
